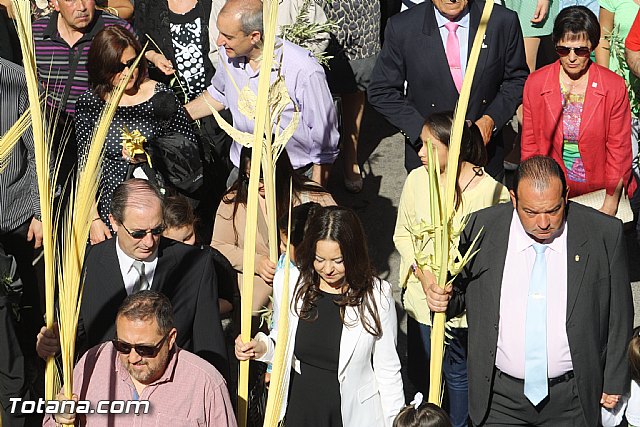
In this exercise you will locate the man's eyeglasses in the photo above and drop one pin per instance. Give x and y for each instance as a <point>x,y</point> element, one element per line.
<point>139,234</point>
<point>142,350</point>
<point>120,66</point>
<point>582,51</point>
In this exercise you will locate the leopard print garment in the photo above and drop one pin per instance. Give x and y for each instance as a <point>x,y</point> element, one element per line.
<point>358,26</point>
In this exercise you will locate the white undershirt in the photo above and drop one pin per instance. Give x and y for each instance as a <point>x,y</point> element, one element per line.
<point>130,275</point>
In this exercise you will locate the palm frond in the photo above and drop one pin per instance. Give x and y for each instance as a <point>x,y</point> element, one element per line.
<point>261,131</point>
<point>76,224</point>
<point>280,363</point>
<point>447,236</point>
<point>13,135</point>
<point>42,148</point>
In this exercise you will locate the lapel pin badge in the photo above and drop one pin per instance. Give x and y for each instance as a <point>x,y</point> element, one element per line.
<point>594,84</point>
<point>577,258</point>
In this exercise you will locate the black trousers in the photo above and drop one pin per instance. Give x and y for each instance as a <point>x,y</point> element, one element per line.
<point>32,304</point>
<point>21,370</point>
<point>510,407</point>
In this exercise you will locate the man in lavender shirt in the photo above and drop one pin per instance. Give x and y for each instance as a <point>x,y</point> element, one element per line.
<point>144,363</point>
<point>314,145</point>
<point>589,311</point>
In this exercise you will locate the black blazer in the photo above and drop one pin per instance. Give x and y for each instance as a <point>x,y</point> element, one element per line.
<point>413,52</point>
<point>185,274</point>
<point>599,304</point>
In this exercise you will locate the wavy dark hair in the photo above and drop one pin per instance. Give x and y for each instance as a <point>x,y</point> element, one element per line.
<point>238,192</point>
<point>472,149</point>
<point>340,225</point>
<point>105,56</point>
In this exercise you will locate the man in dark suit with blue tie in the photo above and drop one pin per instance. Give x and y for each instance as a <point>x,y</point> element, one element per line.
<point>548,303</point>
<point>427,47</point>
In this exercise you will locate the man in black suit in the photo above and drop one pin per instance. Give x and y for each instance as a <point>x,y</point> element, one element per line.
<point>586,320</point>
<point>415,52</point>
<point>138,259</point>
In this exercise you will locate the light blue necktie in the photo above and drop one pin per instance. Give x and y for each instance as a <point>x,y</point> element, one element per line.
<point>535,339</point>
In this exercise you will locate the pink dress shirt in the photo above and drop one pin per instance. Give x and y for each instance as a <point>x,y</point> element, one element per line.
<point>191,391</point>
<point>513,303</point>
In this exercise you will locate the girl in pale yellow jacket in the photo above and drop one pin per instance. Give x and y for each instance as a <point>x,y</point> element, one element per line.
<point>475,190</point>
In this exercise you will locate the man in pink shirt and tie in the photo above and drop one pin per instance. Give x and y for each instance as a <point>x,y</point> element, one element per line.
<point>549,306</point>
<point>428,47</point>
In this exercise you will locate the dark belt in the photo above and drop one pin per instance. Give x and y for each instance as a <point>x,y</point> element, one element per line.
<point>552,381</point>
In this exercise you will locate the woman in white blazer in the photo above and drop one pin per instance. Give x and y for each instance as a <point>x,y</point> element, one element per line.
<point>343,366</point>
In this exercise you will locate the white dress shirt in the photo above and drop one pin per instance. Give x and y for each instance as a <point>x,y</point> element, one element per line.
<point>130,275</point>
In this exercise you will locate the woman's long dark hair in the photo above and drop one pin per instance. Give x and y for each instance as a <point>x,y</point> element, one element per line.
<point>238,192</point>
<point>340,225</point>
<point>105,56</point>
<point>472,148</point>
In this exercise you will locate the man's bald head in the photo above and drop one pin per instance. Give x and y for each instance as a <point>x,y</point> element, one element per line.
<point>248,12</point>
<point>135,193</point>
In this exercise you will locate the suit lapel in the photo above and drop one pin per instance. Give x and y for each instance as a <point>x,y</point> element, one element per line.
<point>437,58</point>
<point>577,258</point>
<point>475,13</point>
<point>110,264</point>
<point>166,262</point>
<point>497,244</point>
<point>350,337</point>
<point>592,99</point>
<point>553,103</point>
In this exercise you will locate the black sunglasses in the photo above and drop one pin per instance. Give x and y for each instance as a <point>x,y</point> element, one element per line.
<point>582,51</point>
<point>120,66</point>
<point>139,234</point>
<point>141,350</point>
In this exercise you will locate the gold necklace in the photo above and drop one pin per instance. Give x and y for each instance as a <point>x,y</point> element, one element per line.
<point>572,84</point>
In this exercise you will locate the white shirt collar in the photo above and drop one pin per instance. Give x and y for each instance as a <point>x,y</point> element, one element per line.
<point>129,274</point>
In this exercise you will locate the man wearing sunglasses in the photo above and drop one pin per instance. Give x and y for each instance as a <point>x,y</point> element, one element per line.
<point>139,259</point>
<point>144,363</point>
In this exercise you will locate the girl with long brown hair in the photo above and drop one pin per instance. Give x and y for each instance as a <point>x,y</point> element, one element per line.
<point>343,368</point>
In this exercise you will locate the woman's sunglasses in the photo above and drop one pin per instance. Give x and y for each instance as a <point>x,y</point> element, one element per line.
<point>142,350</point>
<point>120,66</point>
<point>582,51</point>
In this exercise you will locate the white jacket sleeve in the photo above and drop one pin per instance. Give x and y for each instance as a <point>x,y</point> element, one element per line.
<point>278,285</point>
<point>386,363</point>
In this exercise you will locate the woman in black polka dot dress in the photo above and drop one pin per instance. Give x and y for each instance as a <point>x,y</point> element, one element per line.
<point>112,51</point>
<point>179,32</point>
